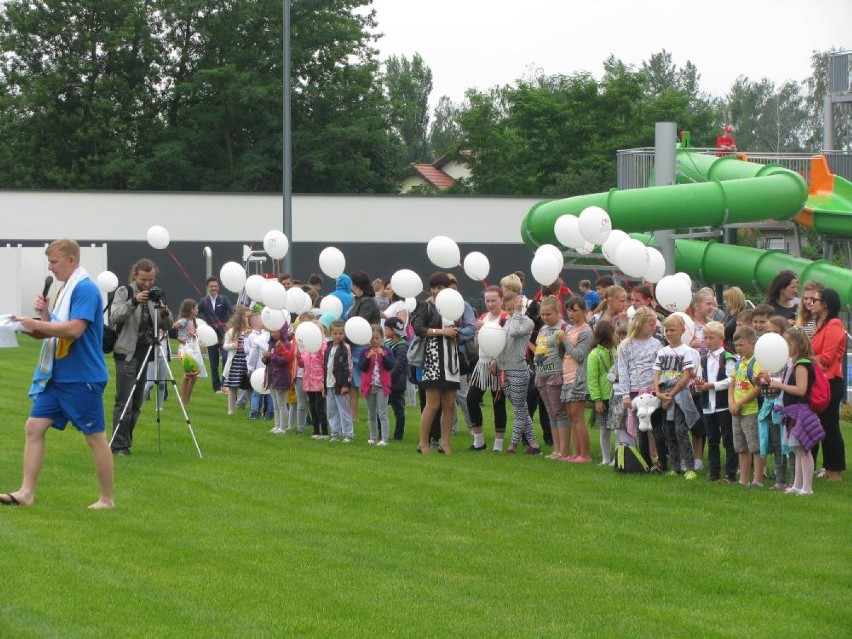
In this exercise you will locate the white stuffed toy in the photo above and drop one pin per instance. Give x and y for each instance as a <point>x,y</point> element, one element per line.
<point>645,404</point>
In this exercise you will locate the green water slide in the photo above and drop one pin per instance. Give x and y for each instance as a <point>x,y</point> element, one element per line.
<point>718,191</point>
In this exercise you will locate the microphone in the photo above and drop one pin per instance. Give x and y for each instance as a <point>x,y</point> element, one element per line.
<point>48,282</point>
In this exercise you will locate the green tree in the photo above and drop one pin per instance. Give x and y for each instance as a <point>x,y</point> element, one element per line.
<point>765,117</point>
<point>78,92</point>
<point>408,84</point>
<point>444,132</point>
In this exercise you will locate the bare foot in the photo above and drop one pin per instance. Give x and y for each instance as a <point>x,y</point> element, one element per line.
<point>15,499</point>
<point>102,504</point>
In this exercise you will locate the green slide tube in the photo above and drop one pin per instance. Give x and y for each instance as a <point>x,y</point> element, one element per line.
<point>716,263</point>
<point>738,192</point>
<point>778,194</point>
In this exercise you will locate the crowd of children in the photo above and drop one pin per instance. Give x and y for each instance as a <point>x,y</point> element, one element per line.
<point>570,357</point>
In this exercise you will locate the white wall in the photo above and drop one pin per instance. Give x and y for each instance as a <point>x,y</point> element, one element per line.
<point>25,269</point>
<point>107,216</point>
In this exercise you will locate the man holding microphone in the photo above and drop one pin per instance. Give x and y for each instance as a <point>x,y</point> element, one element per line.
<point>71,375</point>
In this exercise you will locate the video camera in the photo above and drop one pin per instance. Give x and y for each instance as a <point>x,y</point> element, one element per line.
<point>156,295</point>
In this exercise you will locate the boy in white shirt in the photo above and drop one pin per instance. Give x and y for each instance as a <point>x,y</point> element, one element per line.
<point>714,377</point>
<point>674,371</point>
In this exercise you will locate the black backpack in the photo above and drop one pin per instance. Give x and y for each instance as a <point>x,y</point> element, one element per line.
<point>628,459</point>
<point>110,335</point>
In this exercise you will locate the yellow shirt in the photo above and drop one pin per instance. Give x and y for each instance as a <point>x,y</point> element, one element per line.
<point>742,386</point>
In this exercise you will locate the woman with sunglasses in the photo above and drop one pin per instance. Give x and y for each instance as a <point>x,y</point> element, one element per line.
<point>829,345</point>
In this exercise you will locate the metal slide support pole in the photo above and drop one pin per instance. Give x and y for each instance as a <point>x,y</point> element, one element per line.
<point>665,138</point>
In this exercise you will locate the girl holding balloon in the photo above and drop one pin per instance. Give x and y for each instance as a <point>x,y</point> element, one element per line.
<point>796,387</point>
<point>278,359</point>
<point>485,378</point>
<point>515,372</point>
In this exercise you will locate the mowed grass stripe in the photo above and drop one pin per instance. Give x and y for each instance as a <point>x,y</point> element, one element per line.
<point>286,536</point>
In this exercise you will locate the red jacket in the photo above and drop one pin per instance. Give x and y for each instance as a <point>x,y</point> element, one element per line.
<point>385,366</point>
<point>829,344</point>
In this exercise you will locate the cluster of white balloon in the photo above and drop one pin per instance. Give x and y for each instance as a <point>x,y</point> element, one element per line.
<point>592,228</point>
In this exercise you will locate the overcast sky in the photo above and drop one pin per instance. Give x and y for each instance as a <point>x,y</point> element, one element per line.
<point>482,43</point>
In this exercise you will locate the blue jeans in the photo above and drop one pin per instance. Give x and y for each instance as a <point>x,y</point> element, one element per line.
<point>260,402</point>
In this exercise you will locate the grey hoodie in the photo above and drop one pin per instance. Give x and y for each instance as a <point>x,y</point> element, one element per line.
<point>513,356</point>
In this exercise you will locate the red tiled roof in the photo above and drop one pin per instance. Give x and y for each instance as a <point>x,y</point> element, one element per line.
<point>434,176</point>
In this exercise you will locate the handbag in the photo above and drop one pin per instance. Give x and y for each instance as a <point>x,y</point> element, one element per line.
<point>416,351</point>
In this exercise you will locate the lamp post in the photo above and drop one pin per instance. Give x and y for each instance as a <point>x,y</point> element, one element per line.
<point>287,144</point>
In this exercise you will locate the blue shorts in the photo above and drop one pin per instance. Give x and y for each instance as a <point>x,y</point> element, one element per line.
<point>81,403</point>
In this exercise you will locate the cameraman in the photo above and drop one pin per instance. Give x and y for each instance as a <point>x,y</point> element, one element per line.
<point>134,310</point>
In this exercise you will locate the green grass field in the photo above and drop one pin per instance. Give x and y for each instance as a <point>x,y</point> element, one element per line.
<point>283,536</point>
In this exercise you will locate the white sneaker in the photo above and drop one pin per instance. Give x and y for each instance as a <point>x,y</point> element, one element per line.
<point>275,430</point>
<point>371,442</point>
<point>347,440</point>
<point>821,473</point>
<point>316,436</point>
<point>792,490</point>
<point>802,493</point>
<point>381,443</point>
<point>699,464</point>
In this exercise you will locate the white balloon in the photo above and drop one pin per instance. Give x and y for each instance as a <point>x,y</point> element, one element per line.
<point>586,249</point>
<point>406,283</point>
<point>273,319</point>
<point>308,337</point>
<point>608,248</point>
<point>207,335</point>
<point>545,270</point>
<point>656,265</point>
<point>296,300</point>
<point>673,294</point>
<point>632,258</point>
<point>273,294</point>
<point>491,338</point>
<point>450,304</point>
<point>476,266</point>
<point>443,252</point>
<point>158,237</point>
<point>684,278</point>
<point>306,304</point>
<point>258,381</point>
<point>233,276</point>
<point>254,287</point>
<point>358,330</point>
<point>553,251</point>
<point>107,281</point>
<point>332,262</point>
<point>689,330</point>
<point>567,231</point>
<point>276,244</point>
<point>332,304</point>
<point>771,352</point>
<point>595,225</point>
<point>410,304</point>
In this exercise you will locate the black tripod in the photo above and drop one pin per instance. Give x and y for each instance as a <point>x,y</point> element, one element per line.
<point>159,355</point>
